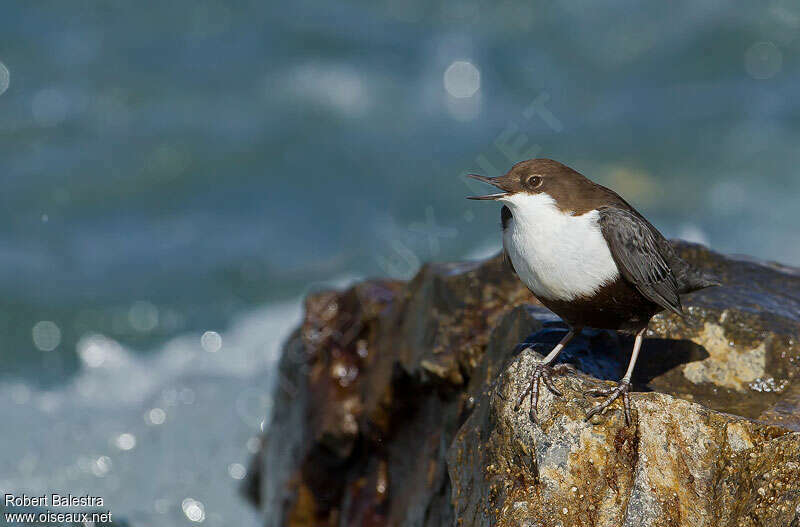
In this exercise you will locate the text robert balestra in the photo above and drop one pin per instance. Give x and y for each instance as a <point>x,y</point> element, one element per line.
<point>52,500</point>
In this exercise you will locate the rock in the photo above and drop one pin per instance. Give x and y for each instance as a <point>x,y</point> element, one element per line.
<point>395,407</point>
<point>370,394</point>
<point>678,464</point>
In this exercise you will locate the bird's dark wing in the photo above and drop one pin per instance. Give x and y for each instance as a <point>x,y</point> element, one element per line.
<point>640,253</point>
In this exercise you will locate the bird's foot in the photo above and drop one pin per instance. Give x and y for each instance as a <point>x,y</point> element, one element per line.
<point>542,374</point>
<point>621,389</point>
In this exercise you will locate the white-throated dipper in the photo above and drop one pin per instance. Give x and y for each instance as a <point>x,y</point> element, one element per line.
<point>589,257</point>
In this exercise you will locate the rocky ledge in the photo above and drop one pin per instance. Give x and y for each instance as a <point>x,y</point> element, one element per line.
<point>395,406</point>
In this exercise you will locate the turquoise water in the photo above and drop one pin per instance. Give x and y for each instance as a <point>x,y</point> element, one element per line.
<point>195,168</point>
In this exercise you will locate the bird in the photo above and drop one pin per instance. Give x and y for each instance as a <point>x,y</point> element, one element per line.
<point>590,258</point>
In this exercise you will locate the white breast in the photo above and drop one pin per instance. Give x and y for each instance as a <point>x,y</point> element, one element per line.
<point>559,256</point>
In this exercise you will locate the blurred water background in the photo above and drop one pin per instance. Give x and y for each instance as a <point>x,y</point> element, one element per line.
<point>175,176</point>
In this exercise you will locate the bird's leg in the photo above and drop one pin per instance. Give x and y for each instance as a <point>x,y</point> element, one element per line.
<point>542,373</point>
<point>622,388</point>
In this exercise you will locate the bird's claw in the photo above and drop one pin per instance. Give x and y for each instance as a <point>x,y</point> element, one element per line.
<point>564,367</point>
<point>621,389</point>
<point>542,373</point>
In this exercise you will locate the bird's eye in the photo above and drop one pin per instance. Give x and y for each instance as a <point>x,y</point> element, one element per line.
<point>534,181</point>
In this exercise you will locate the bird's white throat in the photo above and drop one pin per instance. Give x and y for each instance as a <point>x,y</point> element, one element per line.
<point>557,255</point>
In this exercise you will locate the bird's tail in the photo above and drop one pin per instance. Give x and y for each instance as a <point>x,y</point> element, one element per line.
<point>695,280</point>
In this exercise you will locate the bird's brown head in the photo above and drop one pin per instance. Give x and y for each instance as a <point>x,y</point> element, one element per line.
<point>534,176</point>
<point>569,189</point>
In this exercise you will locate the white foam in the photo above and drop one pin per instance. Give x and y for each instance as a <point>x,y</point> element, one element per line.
<point>146,431</point>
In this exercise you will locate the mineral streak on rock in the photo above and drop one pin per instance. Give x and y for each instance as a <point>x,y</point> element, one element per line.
<point>395,404</point>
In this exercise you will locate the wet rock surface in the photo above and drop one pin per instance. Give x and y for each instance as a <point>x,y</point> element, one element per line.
<point>395,406</point>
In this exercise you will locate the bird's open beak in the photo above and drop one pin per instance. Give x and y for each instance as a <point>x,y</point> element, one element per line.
<point>490,181</point>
